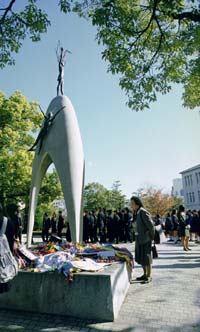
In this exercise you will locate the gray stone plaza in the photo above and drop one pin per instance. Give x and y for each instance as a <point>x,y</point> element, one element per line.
<point>171,303</point>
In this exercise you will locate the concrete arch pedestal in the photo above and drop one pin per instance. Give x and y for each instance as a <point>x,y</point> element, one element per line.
<point>63,147</point>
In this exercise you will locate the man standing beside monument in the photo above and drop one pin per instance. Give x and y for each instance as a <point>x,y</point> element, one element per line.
<point>45,227</point>
<point>60,224</point>
<point>17,220</point>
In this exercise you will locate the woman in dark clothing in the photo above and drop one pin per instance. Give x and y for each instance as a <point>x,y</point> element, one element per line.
<point>10,232</point>
<point>121,226</point>
<point>157,233</point>
<point>195,224</point>
<point>169,227</point>
<point>54,224</point>
<point>183,228</point>
<point>60,224</point>
<point>101,223</point>
<point>116,220</point>
<point>85,226</point>
<point>128,217</point>
<point>17,222</point>
<point>110,226</point>
<point>175,225</point>
<point>143,238</point>
<point>198,238</point>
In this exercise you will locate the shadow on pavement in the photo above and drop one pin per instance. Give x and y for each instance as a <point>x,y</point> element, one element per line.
<point>63,328</point>
<point>20,321</point>
<point>189,257</point>
<point>23,322</point>
<point>177,266</point>
<point>175,252</point>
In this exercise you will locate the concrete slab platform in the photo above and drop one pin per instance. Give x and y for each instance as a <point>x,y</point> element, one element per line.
<point>96,295</point>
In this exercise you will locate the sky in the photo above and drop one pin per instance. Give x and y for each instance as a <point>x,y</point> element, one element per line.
<point>136,148</point>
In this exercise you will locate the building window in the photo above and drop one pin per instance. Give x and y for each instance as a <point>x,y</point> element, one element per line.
<point>191,182</point>
<point>199,195</point>
<point>197,177</point>
<point>193,198</point>
<point>185,181</point>
<point>188,198</point>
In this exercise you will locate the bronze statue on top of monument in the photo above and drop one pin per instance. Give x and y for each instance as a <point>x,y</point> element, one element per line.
<point>61,56</point>
<point>49,118</point>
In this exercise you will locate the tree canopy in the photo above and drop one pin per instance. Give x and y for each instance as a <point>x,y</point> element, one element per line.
<point>19,119</point>
<point>16,25</point>
<point>156,202</point>
<point>96,195</point>
<point>149,44</point>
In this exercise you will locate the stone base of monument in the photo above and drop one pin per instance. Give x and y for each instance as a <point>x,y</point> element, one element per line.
<point>96,295</point>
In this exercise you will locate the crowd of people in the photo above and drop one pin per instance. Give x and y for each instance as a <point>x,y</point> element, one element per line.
<point>183,226</point>
<point>101,225</point>
<point>54,226</point>
<point>107,225</point>
<point>116,226</point>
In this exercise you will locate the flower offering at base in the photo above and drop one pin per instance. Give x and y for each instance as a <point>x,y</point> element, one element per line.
<point>70,258</point>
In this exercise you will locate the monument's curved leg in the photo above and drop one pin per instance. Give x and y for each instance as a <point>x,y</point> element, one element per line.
<point>39,168</point>
<point>62,146</point>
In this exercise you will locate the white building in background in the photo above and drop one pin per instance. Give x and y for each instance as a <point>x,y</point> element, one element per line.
<point>177,188</point>
<point>191,187</point>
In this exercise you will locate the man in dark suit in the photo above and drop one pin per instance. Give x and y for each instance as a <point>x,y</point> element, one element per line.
<point>46,224</point>
<point>60,224</point>
<point>17,220</point>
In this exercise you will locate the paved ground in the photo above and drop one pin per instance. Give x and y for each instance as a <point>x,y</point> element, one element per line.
<point>171,303</point>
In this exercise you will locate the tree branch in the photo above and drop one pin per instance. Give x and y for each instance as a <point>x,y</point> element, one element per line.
<point>140,33</point>
<point>195,17</point>
<point>7,10</point>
